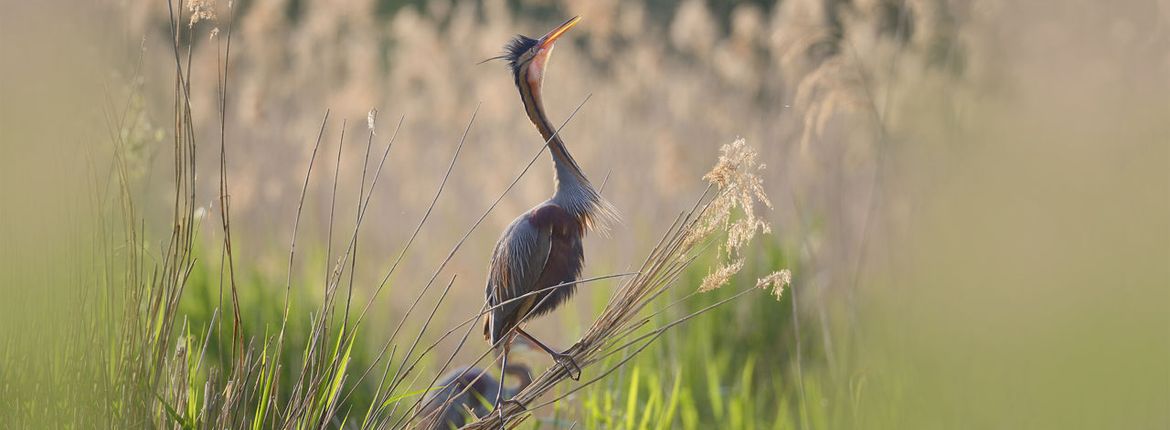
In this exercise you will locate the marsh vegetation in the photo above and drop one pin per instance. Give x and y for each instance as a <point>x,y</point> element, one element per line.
<point>278,213</point>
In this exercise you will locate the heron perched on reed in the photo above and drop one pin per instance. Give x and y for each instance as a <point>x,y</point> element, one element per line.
<point>541,249</point>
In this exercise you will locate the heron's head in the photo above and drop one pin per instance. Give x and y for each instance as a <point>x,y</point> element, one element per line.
<point>528,57</point>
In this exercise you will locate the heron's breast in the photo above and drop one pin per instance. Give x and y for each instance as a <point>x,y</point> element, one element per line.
<point>561,222</point>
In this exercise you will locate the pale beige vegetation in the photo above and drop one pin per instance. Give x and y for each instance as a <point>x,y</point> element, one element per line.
<point>808,82</point>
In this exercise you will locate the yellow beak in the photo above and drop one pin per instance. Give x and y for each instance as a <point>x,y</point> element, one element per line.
<point>556,33</point>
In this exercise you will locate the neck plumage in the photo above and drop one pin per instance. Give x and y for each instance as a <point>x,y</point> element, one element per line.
<point>574,192</point>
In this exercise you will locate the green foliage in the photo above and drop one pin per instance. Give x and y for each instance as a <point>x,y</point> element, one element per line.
<point>705,375</point>
<point>699,375</point>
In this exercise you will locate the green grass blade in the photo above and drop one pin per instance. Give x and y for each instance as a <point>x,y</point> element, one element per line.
<point>173,414</point>
<point>632,399</point>
<point>667,417</point>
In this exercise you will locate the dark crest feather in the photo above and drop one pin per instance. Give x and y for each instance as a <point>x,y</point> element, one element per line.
<point>517,47</point>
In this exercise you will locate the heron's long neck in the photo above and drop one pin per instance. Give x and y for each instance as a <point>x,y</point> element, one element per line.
<point>573,190</point>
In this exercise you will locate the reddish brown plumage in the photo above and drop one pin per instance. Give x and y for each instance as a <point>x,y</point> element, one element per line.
<point>545,242</point>
<point>565,259</point>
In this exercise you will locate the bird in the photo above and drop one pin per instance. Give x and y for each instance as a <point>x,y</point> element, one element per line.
<point>541,248</point>
<point>463,393</point>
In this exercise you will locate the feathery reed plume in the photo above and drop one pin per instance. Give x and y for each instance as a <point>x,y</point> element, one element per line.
<point>201,10</point>
<point>775,282</point>
<point>740,189</point>
<point>736,187</point>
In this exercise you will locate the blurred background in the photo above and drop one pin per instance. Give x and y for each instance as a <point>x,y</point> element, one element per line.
<point>973,196</point>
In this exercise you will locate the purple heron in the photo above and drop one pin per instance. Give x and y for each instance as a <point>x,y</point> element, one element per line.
<point>541,248</point>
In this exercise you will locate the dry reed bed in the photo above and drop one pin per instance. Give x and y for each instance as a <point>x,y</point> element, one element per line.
<point>675,85</point>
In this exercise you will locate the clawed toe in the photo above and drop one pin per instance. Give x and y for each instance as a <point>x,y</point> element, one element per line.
<point>500,410</point>
<point>570,365</point>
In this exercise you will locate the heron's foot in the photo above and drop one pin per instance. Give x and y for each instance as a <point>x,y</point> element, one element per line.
<point>570,365</point>
<point>502,405</point>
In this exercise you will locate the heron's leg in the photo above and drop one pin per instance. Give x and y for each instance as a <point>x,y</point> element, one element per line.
<point>563,359</point>
<point>500,392</point>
